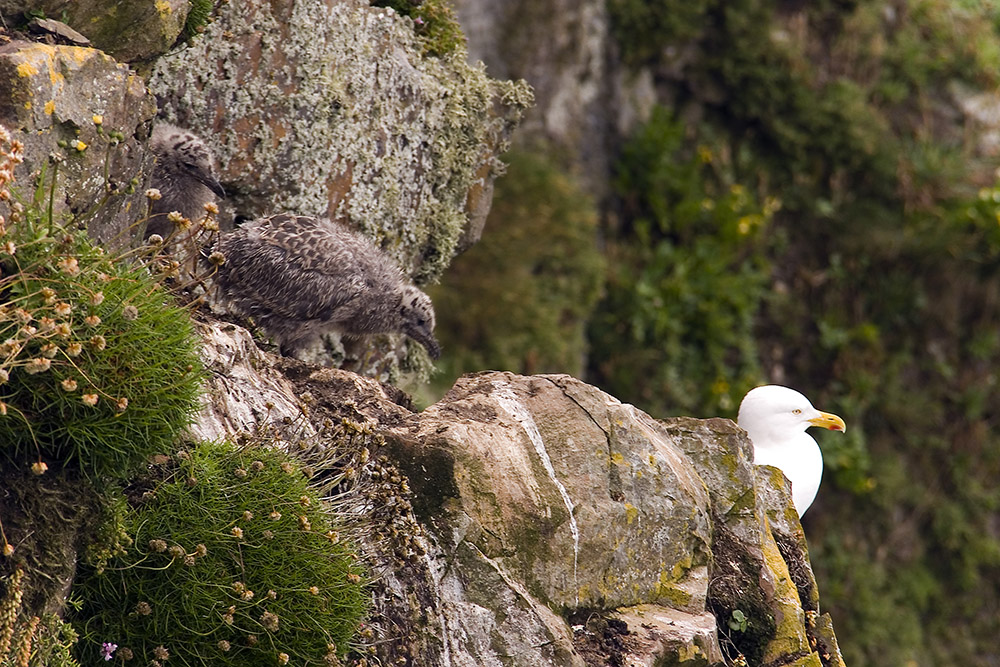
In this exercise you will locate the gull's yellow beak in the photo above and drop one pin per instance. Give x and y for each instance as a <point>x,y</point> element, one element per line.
<point>830,421</point>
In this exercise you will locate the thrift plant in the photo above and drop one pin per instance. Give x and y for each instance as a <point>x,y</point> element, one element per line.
<point>98,367</point>
<point>235,561</point>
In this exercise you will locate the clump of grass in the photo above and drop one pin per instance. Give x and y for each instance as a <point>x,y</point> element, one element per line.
<point>198,16</point>
<point>98,367</point>
<point>235,562</point>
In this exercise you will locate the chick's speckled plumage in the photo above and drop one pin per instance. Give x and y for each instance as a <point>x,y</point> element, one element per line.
<point>300,276</point>
<point>184,175</point>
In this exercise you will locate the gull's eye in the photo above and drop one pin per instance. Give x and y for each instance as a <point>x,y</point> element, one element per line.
<point>796,412</point>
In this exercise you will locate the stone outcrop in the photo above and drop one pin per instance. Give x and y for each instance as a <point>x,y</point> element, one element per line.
<point>327,107</point>
<point>559,525</point>
<point>129,30</point>
<point>51,96</point>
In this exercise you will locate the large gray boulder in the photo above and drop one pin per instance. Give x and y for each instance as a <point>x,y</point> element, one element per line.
<point>330,108</point>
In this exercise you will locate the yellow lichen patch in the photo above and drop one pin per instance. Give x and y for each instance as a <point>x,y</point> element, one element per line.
<point>26,70</point>
<point>50,107</point>
<point>164,8</point>
<point>27,105</point>
<point>617,458</point>
<point>631,513</point>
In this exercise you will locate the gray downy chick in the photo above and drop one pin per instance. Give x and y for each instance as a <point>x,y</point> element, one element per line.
<point>299,276</point>
<point>183,174</point>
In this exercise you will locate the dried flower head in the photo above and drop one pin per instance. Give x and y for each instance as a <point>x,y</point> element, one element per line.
<point>121,404</point>
<point>49,295</point>
<point>97,298</point>
<point>125,653</point>
<point>47,323</point>
<point>247,515</point>
<point>275,515</point>
<point>8,550</point>
<point>217,258</point>
<point>224,646</point>
<point>69,265</point>
<point>89,399</point>
<point>155,240</point>
<point>314,590</point>
<point>201,550</point>
<point>92,320</point>
<point>39,467</point>
<point>240,472</point>
<point>130,313</point>
<point>69,384</point>
<point>153,194</point>
<point>38,365</point>
<point>63,330</point>
<point>304,522</point>
<point>74,349</point>
<point>211,208</point>
<point>237,532</point>
<point>49,350</point>
<point>4,375</point>
<point>143,609</point>
<point>269,621</point>
<point>176,551</point>
<point>257,466</point>
<point>189,561</point>
<point>159,546</point>
<point>98,342</point>
<point>161,653</point>
<point>282,658</point>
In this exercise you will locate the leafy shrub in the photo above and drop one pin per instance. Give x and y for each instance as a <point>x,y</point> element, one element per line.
<point>99,368</point>
<point>674,332</point>
<point>234,561</point>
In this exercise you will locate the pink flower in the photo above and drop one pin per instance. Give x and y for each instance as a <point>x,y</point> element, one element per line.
<point>108,650</point>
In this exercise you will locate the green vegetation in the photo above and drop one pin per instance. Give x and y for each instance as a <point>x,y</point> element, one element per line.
<point>675,328</point>
<point>526,313</point>
<point>434,22</point>
<point>228,558</point>
<point>880,299</point>
<point>198,16</point>
<point>36,641</point>
<point>99,368</point>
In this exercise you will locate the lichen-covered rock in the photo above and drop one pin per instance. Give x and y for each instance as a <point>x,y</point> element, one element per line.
<point>761,562</point>
<point>129,30</point>
<point>582,498</point>
<point>88,112</point>
<point>329,108</point>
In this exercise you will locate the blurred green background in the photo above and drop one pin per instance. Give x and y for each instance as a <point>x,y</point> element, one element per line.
<point>809,197</point>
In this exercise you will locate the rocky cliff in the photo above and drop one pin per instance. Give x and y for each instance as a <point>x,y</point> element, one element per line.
<point>541,521</point>
<point>519,520</point>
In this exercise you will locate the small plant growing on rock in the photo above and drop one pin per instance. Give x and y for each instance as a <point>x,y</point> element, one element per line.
<point>98,367</point>
<point>235,562</point>
<point>35,640</point>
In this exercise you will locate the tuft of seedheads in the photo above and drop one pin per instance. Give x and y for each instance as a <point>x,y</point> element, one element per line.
<point>99,368</point>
